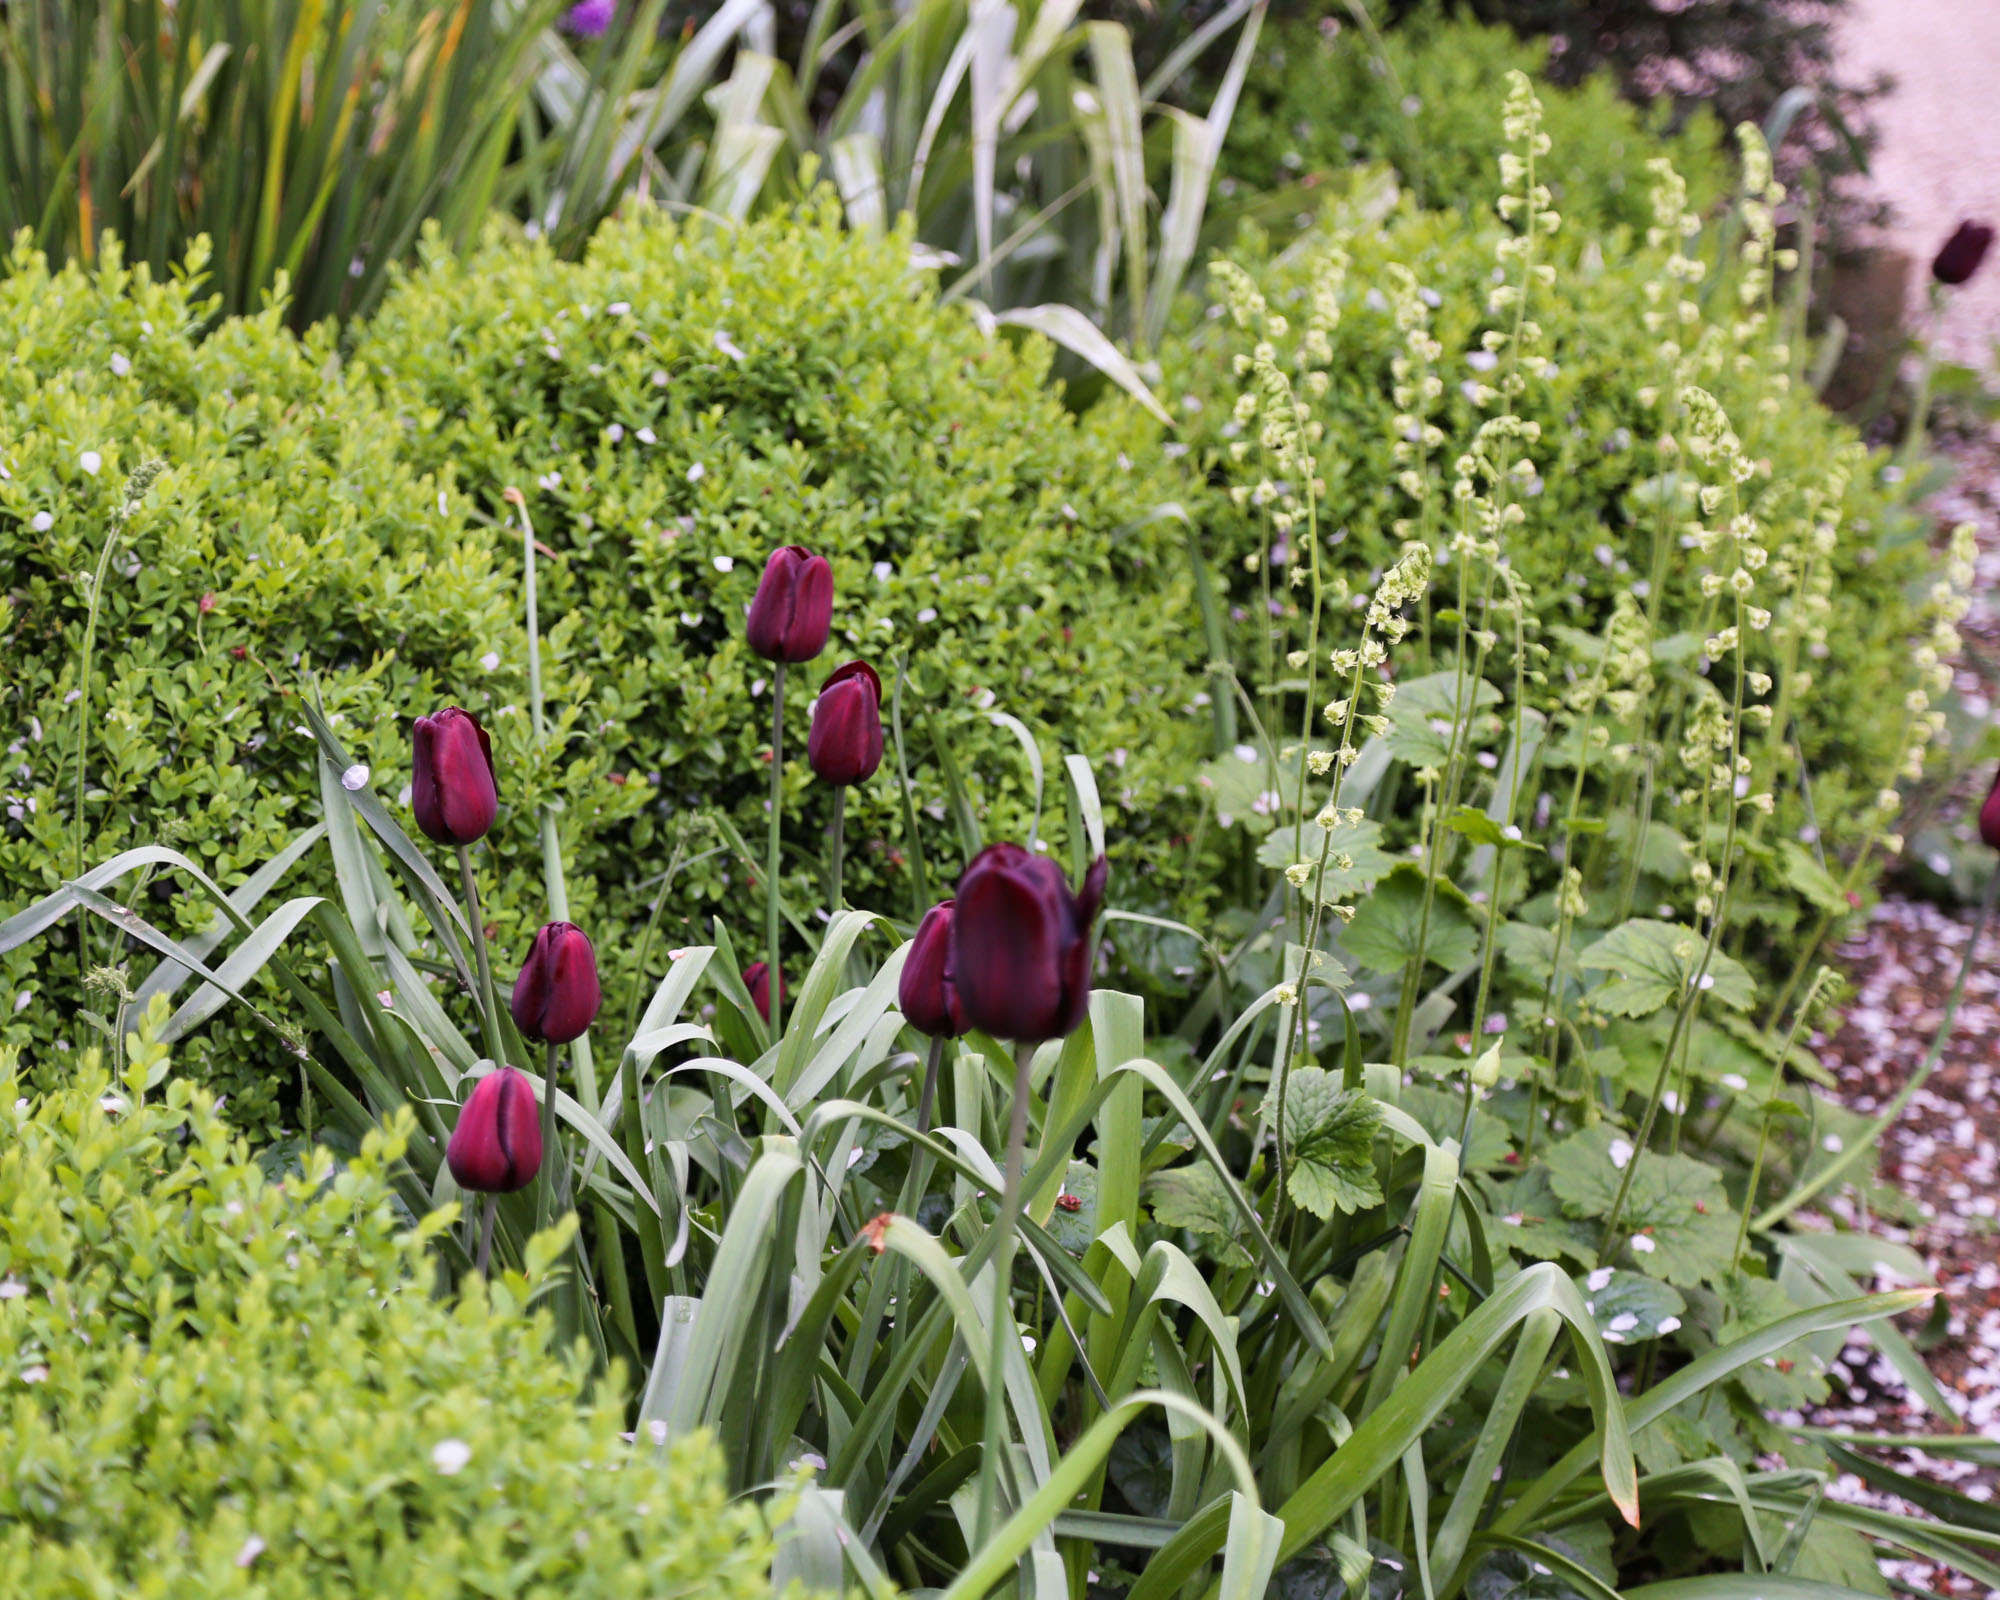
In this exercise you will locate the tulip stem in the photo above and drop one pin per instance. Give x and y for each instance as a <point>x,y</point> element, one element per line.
<point>839,830</point>
<point>1003,1299</point>
<point>771,854</point>
<point>545,1204</point>
<point>486,1233</point>
<point>928,1101</point>
<point>489,1013</point>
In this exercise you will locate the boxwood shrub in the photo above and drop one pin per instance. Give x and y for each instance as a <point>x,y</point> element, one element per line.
<point>672,407</point>
<point>688,397</point>
<point>221,1384</point>
<point>1323,98</point>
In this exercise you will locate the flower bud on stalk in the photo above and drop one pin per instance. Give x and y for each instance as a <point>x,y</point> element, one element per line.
<point>1021,945</point>
<point>497,1146</point>
<point>926,992</point>
<point>453,792</point>
<point>1962,254</point>
<point>793,607</point>
<point>757,979</point>
<point>1989,816</point>
<point>556,995</point>
<point>845,744</point>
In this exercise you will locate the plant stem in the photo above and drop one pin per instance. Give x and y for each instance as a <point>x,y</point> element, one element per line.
<point>771,854</point>
<point>1003,1300</point>
<point>545,1202</point>
<point>928,1102</point>
<point>486,1234</point>
<point>834,861</point>
<point>488,1006</point>
<point>1920,407</point>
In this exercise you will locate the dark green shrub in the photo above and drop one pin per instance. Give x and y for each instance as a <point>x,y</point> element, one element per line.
<point>687,398</point>
<point>223,1384</point>
<point>1324,97</point>
<point>348,523</point>
<point>284,539</point>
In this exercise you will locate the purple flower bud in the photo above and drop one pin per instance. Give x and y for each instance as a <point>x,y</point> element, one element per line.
<point>588,19</point>
<point>453,792</point>
<point>926,992</point>
<point>556,995</point>
<point>757,979</point>
<point>1021,945</point>
<point>845,744</point>
<point>1989,816</point>
<point>1962,253</point>
<point>794,606</point>
<point>497,1146</point>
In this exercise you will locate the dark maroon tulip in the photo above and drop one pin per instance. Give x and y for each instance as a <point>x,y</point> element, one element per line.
<point>926,993</point>
<point>757,979</point>
<point>1989,816</point>
<point>1021,945</point>
<point>497,1146</point>
<point>556,996</point>
<point>453,793</point>
<point>1962,253</point>
<point>794,606</point>
<point>845,744</point>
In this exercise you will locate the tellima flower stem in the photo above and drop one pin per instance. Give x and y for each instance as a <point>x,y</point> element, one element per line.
<point>1003,1307</point>
<point>771,854</point>
<point>488,1009</point>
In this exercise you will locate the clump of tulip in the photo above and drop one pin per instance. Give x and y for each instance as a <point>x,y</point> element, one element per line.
<point>1021,943</point>
<point>496,1148</point>
<point>453,791</point>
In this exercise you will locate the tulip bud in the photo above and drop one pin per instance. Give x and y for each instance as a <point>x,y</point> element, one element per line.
<point>845,744</point>
<point>926,993</point>
<point>1020,944</point>
<point>1989,816</point>
<point>453,793</point>
<point>556,995</point>
<point>1962,253</point>
<point>757,979</point>
<point>497,1146</point>
<point>794,606</point>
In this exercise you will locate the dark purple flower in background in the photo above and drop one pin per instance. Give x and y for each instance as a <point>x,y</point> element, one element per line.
<point>1989,816</point>
<point>588,19</point>
<point>1962,253</point>
<point>556,996</point>
<point>1020,944</point>
<point>926,993</point>
<point>452,791</point>
<point>757,979</point>
<point>496,1147</point>
<point>793,607</point>
<point>845,744</point>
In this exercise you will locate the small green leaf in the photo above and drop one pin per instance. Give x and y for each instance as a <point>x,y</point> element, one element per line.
<point>1678,1219</point>
<point>1387,931</point>
<point>1330,1132</point>
<point>1631,1308</point>
<point>1653,963</point>
<point>1194,1198</point>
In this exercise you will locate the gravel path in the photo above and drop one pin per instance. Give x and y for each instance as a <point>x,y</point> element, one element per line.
<point>1939,157</point>
<point>1938,162</point>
